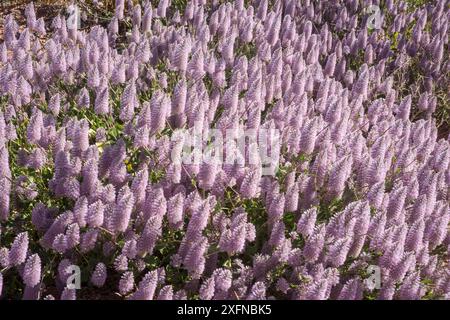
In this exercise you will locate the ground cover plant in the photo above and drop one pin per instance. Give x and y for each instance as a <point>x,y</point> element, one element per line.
<point>99,100</point>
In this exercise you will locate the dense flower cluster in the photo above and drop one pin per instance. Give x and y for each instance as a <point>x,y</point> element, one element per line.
<point>362,183</point>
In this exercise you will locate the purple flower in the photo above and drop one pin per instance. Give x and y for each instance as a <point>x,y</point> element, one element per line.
<point>250,184</point>
<point>207,289</point>
<point>337,252</point>
<point>175,211</point>
<point>352,290</point>
<point>166,293</point>
<point>32,271</point>
<point>88,240</point>
<point>147,286</point>
<point>73,235</point>
<point>80,211</point>
<point>121,263</point>
<point>126,283</point>
<point>306,223</point>
<point>95,214</point>
<point>4,257</point>
<point>69,294</point>
<point>95,123</point>
<point>64,270</point>
<point>314,245</point>
<point>129,249</point>
<point>60,243</point>
<point>257,292</point>
<point>122,211</point>
<point>99,275</point>
<point>19,248</point>
<point>102,101</point>
<point>195,260</point>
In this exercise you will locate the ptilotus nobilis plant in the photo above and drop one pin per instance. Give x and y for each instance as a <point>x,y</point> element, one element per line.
<point>286,149</point>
